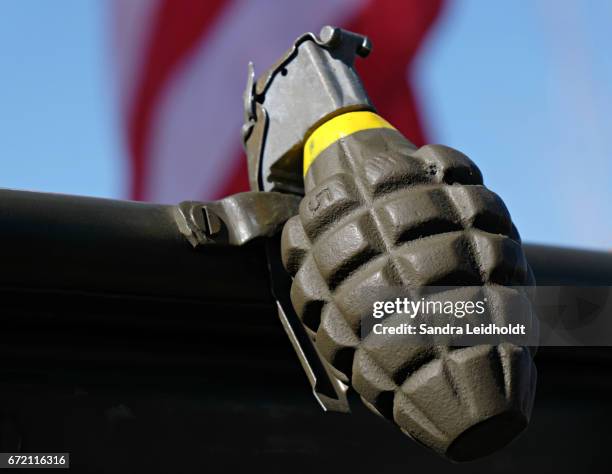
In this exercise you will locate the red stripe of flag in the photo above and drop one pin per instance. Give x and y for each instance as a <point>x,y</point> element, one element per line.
<point>178,26</point>
<point>397,30</point>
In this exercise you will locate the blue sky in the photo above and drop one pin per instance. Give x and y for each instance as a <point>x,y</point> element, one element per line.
<point>525,89</point>
<point>58,118</point>
<point>522,87</point>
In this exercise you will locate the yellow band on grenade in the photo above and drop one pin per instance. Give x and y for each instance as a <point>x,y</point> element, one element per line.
<point>337,128</point>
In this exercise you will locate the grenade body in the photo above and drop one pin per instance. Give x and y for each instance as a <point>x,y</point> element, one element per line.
<point>380,213</point>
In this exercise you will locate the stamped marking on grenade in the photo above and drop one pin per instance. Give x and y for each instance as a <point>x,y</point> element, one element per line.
<point>315,202</point>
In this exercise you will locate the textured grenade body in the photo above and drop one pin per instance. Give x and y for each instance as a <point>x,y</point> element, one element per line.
<point>379,213</point>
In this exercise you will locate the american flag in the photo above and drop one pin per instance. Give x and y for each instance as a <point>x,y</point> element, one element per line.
<point>182,71</point>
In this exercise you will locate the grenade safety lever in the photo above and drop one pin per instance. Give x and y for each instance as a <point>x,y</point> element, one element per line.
<point>378,213</point>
